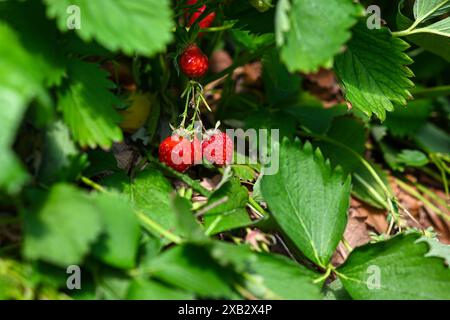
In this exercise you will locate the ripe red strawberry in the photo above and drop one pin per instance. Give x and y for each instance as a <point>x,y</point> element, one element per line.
<point>205,22</point>
<point>193,62</point>
<point>218,149</point>
<point>177,152</point>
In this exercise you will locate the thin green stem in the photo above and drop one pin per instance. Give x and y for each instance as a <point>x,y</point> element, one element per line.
<point>153,226</point>
<point>432,195</point>
<point>420,93</point>
<point>93,184</point>
<point>255,205</point>
<point>146,221</point>
<point>219,28</point>
<point>417,195</point>
<point>325,275</point>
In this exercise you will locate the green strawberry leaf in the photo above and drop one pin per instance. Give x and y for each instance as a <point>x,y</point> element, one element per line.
<point>373,71</point>
<point>142,27</point>
<point>274,276</point>
<point>20,82</point>
<point>39,37</point>
<point>190,267</point>
<point>228,208</point>
<point>427,38</point>
<point>399,268</point>
<point>427,9</point>
<point>309,200</point>
<point>346,139</point>
<point>149,192</point>
<point>62,228</point>
<point>118,245</point>
<point>88,106</point>
<point>406,121</point>
<point>141,289</point>
<point>311,33</point>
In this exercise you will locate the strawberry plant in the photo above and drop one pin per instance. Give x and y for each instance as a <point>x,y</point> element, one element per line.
<point>224,149</point>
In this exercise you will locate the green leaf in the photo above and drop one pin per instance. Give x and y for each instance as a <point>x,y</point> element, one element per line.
<point>243,172</point>
<point>433,139</point>
<point>61,229</point>
<point>61,160</point>
<point>434,43</point>
<point>151,290</point>
<point>440,28</point>
<point>245,17</point>
<point>438,249</point>
<point>309,200</point>
<point>373,71</point>
<point>279,84</point>
<point>413,158</point>
<point>286,279</point>
<point>187,223</point>
<point>310,33</point>
<point>39,37</point>
<point>20,82</point>
<point>229,208</point>
<point>191,268</point>
<point>118,245</point>
<point>88,106</point>
<point>135,27</point>
<point>149,192</point>
<point>313,116</point>
<point>427,9</point>
<point>273,276</point>
<point>407,121</point>
<point>335,291</point>
<point>402,267</point>
<point>344,141</point>
<point>110,284</point>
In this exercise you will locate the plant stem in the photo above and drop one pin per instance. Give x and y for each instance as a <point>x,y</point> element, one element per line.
<point>93,184</point>
<point>255,205</point>
<point>431,195</point>
<point>146,221</point>
<point>326,274</point>
<point>419,93</point>
<point>416,194</point>
<point>153,226</point>
<point>220,28</point>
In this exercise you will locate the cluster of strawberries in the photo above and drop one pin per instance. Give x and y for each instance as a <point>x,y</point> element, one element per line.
<point>179,151</point>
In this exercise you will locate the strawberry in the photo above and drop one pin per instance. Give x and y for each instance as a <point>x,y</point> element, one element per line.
<point>177,152</point>
<point>205,22</point>
<point>218,149</point>
<point>193,62</point>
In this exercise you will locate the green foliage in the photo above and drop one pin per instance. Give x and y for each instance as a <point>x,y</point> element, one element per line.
<point>88,106</point>
<point>118,244</point>
<point>77,189</point>
<point>148,192</point>
<point>148,23</point>
<point>309,200</point>
<point>309,33</point>
<point>62,228</point>
<point>424,278</point>
<point>375,80</point>
<point>227,208</point>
